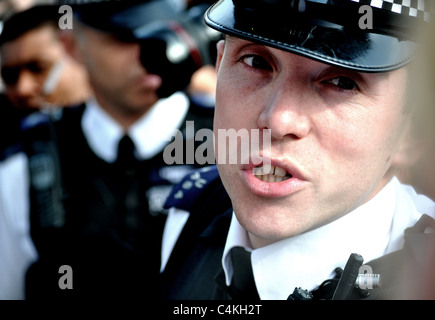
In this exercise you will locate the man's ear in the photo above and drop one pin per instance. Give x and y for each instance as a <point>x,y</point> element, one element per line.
<point>220,52</point>
<point>71,43</point>
<point>410,150</point>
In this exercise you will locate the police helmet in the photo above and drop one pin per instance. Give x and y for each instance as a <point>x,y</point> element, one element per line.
<point>362,35</point>
<point>121,17</point>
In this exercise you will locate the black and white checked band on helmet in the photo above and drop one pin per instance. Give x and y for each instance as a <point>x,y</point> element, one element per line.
<point>413,8</point>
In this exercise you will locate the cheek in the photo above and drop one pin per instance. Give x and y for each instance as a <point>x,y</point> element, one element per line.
<point>348,153</point>
<point>360,155</point>
<point>235,123</point>
<point>236,104</point>
<point>355,132</point>
<point>226,100</point>
<point>103,64</point>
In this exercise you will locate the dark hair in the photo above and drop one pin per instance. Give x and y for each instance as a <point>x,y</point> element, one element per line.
<point>32,18</point>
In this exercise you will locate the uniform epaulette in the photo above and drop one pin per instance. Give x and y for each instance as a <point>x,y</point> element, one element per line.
<point>40,118</point>
<point>185,193</point>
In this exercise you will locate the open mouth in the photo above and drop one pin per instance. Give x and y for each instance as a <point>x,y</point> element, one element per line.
<point>269,173</point>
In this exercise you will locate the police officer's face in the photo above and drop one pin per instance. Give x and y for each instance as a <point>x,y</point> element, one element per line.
<point>26,63</point>
<point>335,136</point>
<point>119,81</point>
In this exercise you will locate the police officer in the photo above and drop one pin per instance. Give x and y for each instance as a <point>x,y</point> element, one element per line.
<point>36,70</point>
<point>96,173</point>
<point>321,209</point>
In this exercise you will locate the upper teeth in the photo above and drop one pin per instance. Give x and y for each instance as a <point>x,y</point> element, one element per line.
<point>270,173</point>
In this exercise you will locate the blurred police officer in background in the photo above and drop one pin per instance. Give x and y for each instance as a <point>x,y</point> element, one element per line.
<point>96,173</point>
<point>325,199</point>
<point>31,50</point>
<point>36,70</point>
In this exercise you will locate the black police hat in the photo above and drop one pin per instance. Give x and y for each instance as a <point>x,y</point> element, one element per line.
<point>328,30</point>
<point>20,22</point>
<point>120,17</point>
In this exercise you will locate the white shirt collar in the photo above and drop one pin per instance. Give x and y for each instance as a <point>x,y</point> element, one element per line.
<point>308,259</point>
<point>150,133</point>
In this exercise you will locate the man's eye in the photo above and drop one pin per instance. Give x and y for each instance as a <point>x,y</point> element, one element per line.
<point>36,68</point>
<point>343,83</point>
<point>257,62</point>
<point>10,75</point>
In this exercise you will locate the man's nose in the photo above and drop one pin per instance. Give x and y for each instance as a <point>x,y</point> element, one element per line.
<point>27,85</point>
<point>286,112</point>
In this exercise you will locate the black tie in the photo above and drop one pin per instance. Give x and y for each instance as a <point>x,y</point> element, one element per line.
<point>126,158</point>
<point>243,284</point>
<point>130,211</point>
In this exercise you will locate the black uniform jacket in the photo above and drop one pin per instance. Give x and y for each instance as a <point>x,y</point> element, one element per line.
<point>100,219</point>
<point>194,270</point>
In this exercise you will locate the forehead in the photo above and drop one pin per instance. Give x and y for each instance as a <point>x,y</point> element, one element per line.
<point>35,44</point>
